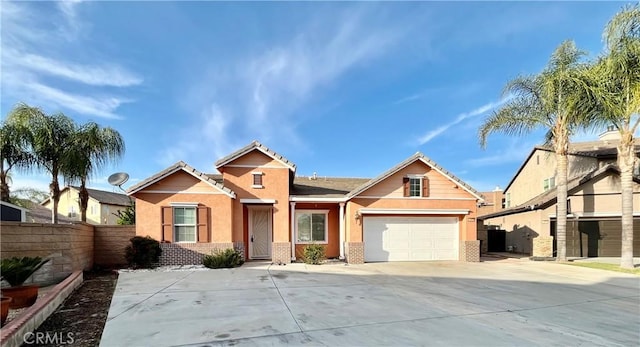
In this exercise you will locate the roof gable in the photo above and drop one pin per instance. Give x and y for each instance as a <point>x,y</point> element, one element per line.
<point>256,146</point>
<point>550,197</point>
<point>180,166</point>
<point>422,158</point>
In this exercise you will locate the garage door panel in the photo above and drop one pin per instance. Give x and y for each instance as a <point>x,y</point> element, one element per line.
<point>410,238</point>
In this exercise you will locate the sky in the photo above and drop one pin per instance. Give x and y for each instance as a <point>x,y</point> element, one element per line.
<point>339,88</point>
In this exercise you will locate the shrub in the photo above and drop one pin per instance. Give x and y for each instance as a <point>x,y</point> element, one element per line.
<point>17,270</point>
<point>143,252</point>
<point>227,258</point>
<point>313,254</point>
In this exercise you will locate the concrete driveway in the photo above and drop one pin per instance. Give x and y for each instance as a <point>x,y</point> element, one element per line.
<point>494,303</point>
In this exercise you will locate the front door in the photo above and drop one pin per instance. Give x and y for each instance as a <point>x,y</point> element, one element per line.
<point>260,233</point>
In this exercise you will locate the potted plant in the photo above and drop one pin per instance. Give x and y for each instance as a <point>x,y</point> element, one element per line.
<point>16,271</point>
<point>4,301</point>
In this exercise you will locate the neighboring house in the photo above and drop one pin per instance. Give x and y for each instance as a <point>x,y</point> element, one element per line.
<point>415,211</point>
<point>12,213</point>
<point>493,202</point>
<point>527,224</point>
<point>102,207</point>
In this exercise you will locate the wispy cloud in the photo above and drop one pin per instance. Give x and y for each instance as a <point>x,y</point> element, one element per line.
<point>430,135</point>
<point>269,88</point>
<point>39,78</point>
<point>95,75</point>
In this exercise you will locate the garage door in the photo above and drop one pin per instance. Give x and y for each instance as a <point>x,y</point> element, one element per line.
<point>410,238</point>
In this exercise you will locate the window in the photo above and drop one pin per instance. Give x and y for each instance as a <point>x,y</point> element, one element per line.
<point>312,226</point>
<point>257,180</point>
<point>549,183</point>
<point>184,224</point>
<point>415,186</point>
<point>507,200</point>
<point>93,210</point>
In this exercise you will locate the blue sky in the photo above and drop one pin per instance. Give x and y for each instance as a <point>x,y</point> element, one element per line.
<point>341,89</point>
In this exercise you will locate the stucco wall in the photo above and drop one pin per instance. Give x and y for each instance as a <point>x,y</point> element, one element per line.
<point>542,165</point>
<point>70,246</point>
<point>333,246</point>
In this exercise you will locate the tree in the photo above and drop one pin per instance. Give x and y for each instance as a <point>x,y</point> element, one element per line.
<point>13,153</point>
<point>49,140</point>
<point>617,90</point>
<point>550,100</point>
<point>93,148</point>
<point>128,215</point>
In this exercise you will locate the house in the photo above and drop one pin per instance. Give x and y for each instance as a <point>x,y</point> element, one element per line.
<point>102,208</point>
<point>415,211</point>
<point>528,221</point>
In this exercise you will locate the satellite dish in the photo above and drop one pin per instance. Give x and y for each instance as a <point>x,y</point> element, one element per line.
<point>118,179</point>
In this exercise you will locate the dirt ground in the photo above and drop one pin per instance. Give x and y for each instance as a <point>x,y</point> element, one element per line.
<point>81,318</point>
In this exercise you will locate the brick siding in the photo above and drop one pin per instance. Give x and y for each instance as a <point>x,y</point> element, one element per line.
<point>470,251</point>
<point>354,252</point>
<point>281,252</point>
<point>189,253</point>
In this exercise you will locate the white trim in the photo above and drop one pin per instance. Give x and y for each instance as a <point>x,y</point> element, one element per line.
<point>257,173</point>
<point>293,230</point>
<point>179,192</point>
<point>256,186</point>
<point>326,226</point>
<point>342,230</point>
<point>256,166</point>
<point>257,201</point>
<point>412,211</point>
<point>305,199</point>
<point>407,198</point>
<point>292,168</point>
<point>183,204</point>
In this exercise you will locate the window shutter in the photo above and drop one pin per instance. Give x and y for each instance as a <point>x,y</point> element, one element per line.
<point>425,187</point>
<point>167,224</point>
<point>405,185</point>
<point>203,224</point>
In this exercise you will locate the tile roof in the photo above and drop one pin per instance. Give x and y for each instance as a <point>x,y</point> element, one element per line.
<point>102,196</point>
<point>250,147</point>
<point>405,163</point>
<point>325,187</point>
<point>40,214</point>
<point>174,168</point>
<point>109,198</point>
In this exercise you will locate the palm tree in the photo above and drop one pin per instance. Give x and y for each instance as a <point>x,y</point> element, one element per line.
<point>549,101</point>
<point>13,153</point>
<point>93,148</point>
<point>50,141</point>
<point>617,74</point>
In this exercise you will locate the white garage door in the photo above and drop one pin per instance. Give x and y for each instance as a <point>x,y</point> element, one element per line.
<point>410,238</point>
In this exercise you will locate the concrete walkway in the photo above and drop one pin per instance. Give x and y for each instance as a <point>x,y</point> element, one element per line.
<point>506,302</point>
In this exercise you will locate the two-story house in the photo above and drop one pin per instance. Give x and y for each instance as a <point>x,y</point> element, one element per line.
<point>415,211</point>
<point>102,208</point>
<point>594,206</point>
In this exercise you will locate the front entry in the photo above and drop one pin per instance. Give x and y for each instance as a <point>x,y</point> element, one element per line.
<point>260,232</point>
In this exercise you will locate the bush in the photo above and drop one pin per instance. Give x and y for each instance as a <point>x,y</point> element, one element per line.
<point>223,259</point>
<point>143,252</point>
<point>17,270</point>
<point>313,254</point>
